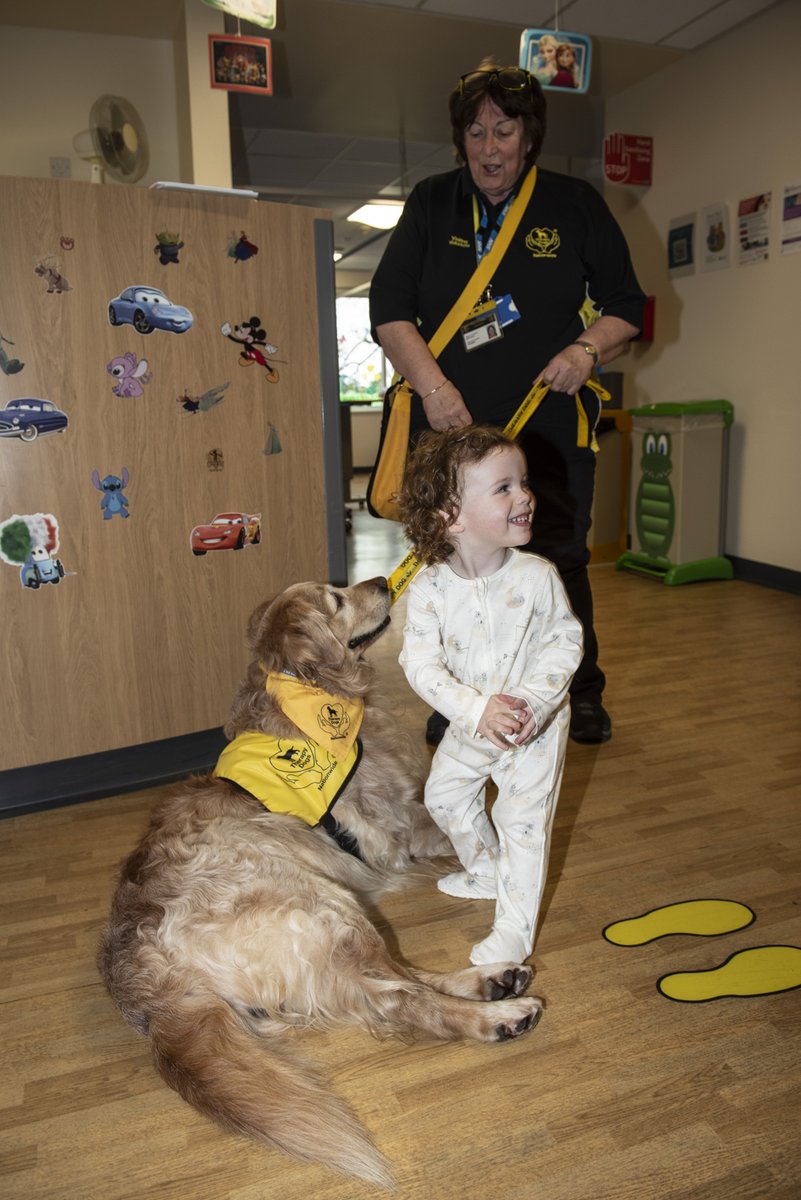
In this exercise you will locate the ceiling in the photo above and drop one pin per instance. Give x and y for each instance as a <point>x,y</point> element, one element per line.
<point>359,105</point>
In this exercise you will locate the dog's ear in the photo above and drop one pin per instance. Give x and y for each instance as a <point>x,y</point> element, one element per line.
<point>290,633</point>
<point>255,633</point>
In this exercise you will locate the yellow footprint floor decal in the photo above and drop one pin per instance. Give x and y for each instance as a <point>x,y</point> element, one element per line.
<point>759,971</point>
<point>704,918</point>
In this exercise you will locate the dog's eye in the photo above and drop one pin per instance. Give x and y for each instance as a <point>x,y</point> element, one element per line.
<point>338,601</point>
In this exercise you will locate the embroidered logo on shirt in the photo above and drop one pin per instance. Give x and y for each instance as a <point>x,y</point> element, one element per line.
<point>542,242</point>
<point>459,241</point>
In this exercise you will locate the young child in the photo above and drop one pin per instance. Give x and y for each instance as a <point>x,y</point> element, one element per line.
<point>491,643</point>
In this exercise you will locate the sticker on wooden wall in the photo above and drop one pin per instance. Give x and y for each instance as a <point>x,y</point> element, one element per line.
<point>9,365</point>
<point>67,243</point>
<point>147,308</point>
<point>240,249</point>
<point>49,270</point>
<point>204,403</point>
<point>254,347</point>
<point>227,531</point>
<point>167,247</point>
<point>114,501</point>
<point>131,373</point>
<point>215,460</point>
<point>273,443</point>
<point>30,542</point>
<point>28,417</point>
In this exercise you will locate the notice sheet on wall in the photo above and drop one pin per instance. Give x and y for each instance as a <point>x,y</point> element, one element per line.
<point>714,237</point>
<point>753,228</point>
<point>791,219</point>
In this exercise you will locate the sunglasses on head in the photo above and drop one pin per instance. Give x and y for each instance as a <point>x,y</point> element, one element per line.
<point>511,79</point>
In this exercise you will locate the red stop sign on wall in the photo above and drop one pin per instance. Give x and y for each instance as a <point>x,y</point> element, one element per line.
<point>628,159</point>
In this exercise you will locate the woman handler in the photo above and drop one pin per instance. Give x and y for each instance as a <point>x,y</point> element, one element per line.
<point>567,251</point>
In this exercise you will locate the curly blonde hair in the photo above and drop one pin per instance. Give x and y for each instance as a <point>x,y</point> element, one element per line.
<point>431,495</point>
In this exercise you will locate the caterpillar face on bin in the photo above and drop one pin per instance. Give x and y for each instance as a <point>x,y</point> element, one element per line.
<point>655,508</point>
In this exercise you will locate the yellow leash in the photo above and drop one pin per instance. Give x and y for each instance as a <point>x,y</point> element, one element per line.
<point>411,564</point>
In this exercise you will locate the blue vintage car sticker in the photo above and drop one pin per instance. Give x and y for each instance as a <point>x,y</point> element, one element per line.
<point>131,373</point>
<point>147,308</point>
<point>114,500</point>
<point>8,364</point>
<point>28,417</point>
<point>30,542</point>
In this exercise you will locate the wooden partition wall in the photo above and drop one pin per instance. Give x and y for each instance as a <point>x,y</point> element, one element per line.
<point>141,639</point>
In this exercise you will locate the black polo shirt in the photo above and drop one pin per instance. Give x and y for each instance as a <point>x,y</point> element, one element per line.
<point>567,244</point>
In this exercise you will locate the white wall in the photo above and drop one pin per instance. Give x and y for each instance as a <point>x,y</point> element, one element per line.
<point>49,80</point>
<point>725,126</point>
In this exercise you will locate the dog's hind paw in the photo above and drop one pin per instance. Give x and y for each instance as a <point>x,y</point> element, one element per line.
<point>509,981</point>
<point>508,1030</point>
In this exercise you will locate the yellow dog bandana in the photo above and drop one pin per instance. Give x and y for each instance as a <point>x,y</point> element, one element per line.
<point>288,775</point>
<point>331,721</point>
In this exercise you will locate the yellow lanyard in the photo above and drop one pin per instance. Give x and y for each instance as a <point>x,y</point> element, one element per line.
<point>411,564</point>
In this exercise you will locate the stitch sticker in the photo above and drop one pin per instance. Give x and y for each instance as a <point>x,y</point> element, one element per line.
<point>114,501</point>
<point>9,366</point>
<point>227,531</point>
<point>167,247</point>
<point>131,373</point>
<point>240,249</point>
<point>48,270</point>
<point>30,542</point>
<point>28,417</point>
<point>255,347</point>
<point>147,308</point>
<point>208,400</point>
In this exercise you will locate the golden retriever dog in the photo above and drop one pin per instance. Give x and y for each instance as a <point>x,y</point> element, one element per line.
<point>231,922</point>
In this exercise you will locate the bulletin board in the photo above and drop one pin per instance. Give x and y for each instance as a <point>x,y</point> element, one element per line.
<point>125,604</point>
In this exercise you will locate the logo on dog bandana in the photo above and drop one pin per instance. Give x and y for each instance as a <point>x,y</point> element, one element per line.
<point>330,720</point>
<point>542,242</point>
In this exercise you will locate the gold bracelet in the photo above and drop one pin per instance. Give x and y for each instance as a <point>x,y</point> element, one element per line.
<point>436,389</point>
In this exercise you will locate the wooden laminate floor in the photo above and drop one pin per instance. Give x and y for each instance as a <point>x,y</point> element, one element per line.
<point>620,1094</point>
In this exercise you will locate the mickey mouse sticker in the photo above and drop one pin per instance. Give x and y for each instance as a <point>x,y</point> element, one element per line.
<point>254,345</point>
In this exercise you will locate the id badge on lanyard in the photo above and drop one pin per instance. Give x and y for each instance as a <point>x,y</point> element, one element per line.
<point>486,322</point>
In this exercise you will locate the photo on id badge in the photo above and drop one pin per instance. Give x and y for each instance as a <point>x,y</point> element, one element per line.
<point>485,324</point>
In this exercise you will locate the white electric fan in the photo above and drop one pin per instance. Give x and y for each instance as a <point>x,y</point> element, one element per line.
<point>115,142</point>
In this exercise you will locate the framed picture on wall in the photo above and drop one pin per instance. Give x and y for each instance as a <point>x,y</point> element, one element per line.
<point>241,64</point>
<point>558,60</point>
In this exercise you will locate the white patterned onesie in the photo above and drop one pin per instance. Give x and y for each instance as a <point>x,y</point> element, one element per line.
<point>464,641</point>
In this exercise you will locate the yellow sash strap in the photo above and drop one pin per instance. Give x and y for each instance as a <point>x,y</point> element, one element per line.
<point>410,565</point>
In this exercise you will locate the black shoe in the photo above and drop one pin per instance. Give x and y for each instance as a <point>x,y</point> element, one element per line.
<point>435,728</point>
<point>590,723</point>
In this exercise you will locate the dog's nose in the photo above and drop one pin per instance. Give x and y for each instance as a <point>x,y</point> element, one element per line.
<point>379,583</point>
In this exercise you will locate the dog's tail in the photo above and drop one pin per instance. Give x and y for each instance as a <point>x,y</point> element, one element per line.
<point>250,1085</point>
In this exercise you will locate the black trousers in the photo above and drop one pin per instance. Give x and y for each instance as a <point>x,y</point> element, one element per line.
<point>562,478</point>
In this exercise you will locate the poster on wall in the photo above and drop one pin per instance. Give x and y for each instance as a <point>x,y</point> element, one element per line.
<point>753,228</point>
<point>628,159</point>
<point>791,218</point>
<point>714,238</point>
<point>681,252</point>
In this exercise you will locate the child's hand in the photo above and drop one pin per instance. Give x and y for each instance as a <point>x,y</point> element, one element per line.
<point>503,715</point>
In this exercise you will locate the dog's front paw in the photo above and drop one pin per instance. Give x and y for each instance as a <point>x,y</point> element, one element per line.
<point>520,1024</point>
<point>505,981</point>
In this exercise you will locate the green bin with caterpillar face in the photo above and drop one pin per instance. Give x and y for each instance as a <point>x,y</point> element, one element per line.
<point>678,491</point>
